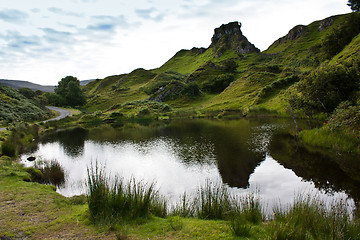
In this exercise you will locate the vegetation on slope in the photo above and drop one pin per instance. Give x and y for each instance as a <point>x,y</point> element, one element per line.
<point>14,107</point>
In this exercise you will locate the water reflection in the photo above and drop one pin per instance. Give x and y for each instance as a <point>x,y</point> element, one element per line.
<point>71,140</point>
<point>321,169</point>
<point>182,155</point>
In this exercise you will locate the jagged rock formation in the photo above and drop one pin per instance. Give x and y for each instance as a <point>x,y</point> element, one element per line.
<point>229,36</point>
<point>327,22</point>
<point>293,34</point>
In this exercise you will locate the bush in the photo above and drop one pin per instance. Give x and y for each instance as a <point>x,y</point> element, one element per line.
<point>276,86</point>
<point>218,83</point>
<point>341,36</point>
<point>324,89</point>
<point>191,89</point>
<point>8,149</point>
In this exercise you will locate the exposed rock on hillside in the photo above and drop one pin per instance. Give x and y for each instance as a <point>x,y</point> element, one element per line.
<point>295,33</point>
<point>229,36</point>
<point>327,22</point>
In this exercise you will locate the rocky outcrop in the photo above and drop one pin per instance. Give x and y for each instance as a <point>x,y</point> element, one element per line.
<point>295,33</point>
<point>324,24</point>
<point>229,36</point>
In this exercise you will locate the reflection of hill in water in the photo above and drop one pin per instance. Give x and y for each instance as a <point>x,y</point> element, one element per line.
<point>229,142</point>
<point>224,143</point>
<point>72,140</point>
<point>323,170</point>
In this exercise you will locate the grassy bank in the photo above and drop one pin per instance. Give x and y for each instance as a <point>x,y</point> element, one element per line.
<point>36,211</point>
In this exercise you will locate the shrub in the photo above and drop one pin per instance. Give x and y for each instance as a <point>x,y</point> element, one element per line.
<point>191,89</point>
<point>8,149</point>
<point>218,83</point>
<point>341,36</point>
<point>323,89</point>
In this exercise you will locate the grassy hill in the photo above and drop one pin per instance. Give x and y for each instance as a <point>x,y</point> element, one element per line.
<point>231,75</point>
<point>14,107</point>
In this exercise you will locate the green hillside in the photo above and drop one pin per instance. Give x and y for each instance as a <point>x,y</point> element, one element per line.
<point>14,107</point>
<point>231,75</point>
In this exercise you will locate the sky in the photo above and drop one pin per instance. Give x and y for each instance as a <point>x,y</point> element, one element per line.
<point>42,41</point>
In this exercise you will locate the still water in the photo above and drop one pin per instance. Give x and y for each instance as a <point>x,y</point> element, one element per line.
<point>180,156</point>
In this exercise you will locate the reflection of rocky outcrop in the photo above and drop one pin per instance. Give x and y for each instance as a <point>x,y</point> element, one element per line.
<point>322,170</point>
<point>236,163</point>
<point>234,159</point>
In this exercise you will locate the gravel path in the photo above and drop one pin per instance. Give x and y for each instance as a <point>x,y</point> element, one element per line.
<point>63,113</point>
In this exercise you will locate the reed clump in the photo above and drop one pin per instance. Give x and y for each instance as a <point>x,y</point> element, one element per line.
<point>311,218</point>
<point>121,200</point>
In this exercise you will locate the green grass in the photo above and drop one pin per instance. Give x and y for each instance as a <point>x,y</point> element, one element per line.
<point>331,140</point>
<point>311,218</point>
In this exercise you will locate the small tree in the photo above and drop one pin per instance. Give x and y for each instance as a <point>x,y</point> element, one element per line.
<point>354,5</point>
<point>69,91</point>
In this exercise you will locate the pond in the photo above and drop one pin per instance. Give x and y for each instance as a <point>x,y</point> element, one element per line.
<point>180,156</point>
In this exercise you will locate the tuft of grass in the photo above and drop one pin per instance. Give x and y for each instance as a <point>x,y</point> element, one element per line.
<point>176,223</point>
<point>47,172</point>
<point>53,173</point>
<point>249,208</point>
<point>213,202</point>
<point>121,200</point>
<point>240,227</point>
<point>184,208</point>
<point>311,218</point>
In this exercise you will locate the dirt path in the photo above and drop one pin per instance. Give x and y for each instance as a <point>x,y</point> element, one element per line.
<point>63,113</point>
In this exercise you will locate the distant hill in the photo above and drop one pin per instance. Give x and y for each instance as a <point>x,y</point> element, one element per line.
<point>85,82</point>
<point>25,84</point>
<point>33,86</point>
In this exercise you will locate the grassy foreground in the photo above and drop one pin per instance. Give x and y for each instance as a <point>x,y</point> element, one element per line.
<point>35,211</point>
<point>30,210</point>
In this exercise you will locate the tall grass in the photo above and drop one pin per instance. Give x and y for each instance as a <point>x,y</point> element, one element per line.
<point>213,202</point>
<point>53,173</point>
<point>311,218</point>
<point>121,200</point>
<point>307,218</point>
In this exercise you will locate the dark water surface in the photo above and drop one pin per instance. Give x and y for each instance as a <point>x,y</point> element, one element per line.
<point>246,155</point>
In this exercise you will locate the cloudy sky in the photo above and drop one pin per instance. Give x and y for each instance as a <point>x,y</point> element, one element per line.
<point>43,41</point>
